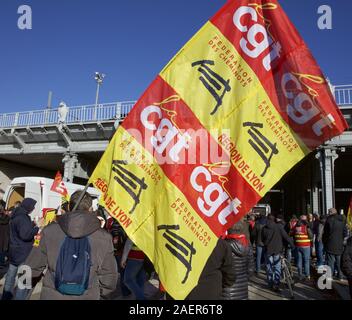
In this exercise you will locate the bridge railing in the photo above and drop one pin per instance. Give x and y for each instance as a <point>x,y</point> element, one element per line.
<point>343,95</point>
<point>110,111</point>
<point>81,114</point>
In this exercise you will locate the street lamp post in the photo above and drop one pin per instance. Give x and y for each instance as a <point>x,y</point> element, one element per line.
<point>99,78</point>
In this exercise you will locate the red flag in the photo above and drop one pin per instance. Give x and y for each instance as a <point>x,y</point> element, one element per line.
<point>58,186</point>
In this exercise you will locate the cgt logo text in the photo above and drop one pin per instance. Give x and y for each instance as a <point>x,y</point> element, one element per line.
<point>253,30</point>
<point>300,107</point>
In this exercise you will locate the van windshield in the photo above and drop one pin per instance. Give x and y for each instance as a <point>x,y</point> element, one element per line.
<point>16,195</point>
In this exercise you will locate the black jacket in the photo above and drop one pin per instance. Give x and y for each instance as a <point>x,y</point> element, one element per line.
<point>4,232</point>
<point>257,231</point>
<point>334,233</point>
<point>346,261</point>
<point>243,266</point>
<point>274,236</point>
<point>217,274</point>
<point>22,232</point>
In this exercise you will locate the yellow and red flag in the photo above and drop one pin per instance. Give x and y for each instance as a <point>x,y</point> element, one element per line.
<point>232,112</point>
<point>349,215</point>
<point>58,186</point>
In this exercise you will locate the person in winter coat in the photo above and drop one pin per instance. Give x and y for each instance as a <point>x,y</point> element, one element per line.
<point>242,263</point>
<point>346,263</point>
<point>274,236</point>
<point>78,224</point>
<point>217,274</point>
<point>119,239</point>
<point>22,232</point>
<point>132,261</point>
<point>318,230</point>
<point>4,234</point>
<point>251,225</point>
<point>259,245</point>
<point>303,236</point>
<point>289,229</point>
<point>335,231</point>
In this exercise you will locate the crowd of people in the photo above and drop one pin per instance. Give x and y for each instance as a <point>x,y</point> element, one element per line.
<point>306,241</point>
<point>86,254</point>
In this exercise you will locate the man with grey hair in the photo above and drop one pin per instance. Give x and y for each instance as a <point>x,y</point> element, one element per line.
<point>335,231</point>
<point>79,224</point>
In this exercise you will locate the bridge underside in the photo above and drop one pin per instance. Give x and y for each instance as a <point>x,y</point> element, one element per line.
<point>75,150</point>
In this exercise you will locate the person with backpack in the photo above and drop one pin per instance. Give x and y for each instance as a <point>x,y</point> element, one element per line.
<point>78,255</point>
<point>119,238</point>
<point>22,233</point>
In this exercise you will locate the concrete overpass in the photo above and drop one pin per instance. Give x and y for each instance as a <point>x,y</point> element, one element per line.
<point>35,143</point>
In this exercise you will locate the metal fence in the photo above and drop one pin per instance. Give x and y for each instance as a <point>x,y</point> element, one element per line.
<point>109,111</point>
<point>81,114</point>
<point>343,95</point>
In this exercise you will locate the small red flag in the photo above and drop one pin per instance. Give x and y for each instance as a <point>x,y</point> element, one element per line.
<point>58,186</point>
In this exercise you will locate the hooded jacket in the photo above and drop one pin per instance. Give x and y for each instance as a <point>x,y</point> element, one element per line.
<point>243,266</point>
<point>22,232</point>
<point>334,233</point>
<point>103,272</point>
<point>274,236</point>
<point>217,273</point>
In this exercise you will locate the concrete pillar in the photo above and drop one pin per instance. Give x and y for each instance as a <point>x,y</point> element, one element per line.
<point>315,189</point>
<point>327,157</point>
<point>70,161</point>
<point>315,199</point>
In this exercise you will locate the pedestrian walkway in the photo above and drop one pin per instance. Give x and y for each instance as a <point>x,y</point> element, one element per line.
<point>258,290</point>
<point>342,289</point>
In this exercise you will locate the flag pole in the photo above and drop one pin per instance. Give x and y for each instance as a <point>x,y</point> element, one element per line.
<point>81,197</point>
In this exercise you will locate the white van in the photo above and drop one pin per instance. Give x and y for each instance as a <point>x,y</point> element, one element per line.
<point>261,208</point>
<point>38,189</point>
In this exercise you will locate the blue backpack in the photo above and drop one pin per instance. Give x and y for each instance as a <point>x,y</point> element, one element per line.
<point>73,267</point>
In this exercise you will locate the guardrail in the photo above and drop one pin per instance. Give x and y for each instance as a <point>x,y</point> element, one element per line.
<point>110,111</point>
<point>343,95</point>
<point>81,114</point>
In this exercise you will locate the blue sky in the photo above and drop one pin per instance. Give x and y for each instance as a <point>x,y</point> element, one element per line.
<point>130,41</point>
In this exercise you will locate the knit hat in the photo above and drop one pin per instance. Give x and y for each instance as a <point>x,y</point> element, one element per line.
<point>28,204</point>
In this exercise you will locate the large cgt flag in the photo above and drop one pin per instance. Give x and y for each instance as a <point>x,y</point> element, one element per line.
<point>232,112</point>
